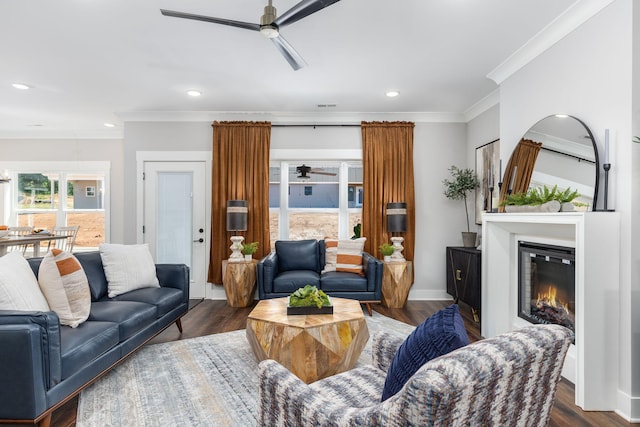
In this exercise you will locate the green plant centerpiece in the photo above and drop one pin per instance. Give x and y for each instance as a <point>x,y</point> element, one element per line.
<point>249,248</point>
<point>462,183</point>
<point>309,300</point>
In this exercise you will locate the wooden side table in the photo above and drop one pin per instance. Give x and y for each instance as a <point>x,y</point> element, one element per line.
<point>311,346</point>
<point>396,282</point>
<point>239,280</point>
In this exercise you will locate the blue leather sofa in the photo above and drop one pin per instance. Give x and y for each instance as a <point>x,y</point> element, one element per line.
<point>296,263</point>
<point>44,364</point>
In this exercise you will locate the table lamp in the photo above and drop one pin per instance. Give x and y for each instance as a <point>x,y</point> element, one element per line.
<point>397,223</point>
<point>237,213</point>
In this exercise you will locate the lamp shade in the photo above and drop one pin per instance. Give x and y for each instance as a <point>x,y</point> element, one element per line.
<point>396,217</point>
<point>237,213</point>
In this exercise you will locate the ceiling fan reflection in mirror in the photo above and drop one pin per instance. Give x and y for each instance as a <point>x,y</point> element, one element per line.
<point>304,170</point>
<point>269,25</point>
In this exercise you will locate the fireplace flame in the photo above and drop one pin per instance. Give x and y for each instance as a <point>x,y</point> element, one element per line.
<point>549,298</point>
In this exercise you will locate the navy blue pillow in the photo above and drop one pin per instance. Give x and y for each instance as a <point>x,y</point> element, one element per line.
<point>438,335</point>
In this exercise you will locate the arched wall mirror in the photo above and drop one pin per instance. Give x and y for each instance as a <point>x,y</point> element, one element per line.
<point>567,157</point>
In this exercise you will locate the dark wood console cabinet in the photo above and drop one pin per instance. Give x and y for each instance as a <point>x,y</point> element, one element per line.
<point>464,277</point>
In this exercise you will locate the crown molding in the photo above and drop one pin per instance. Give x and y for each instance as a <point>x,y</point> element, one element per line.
<point>63,134</point>
<point>576,15</point>
<point>483,105</point>
<point>288,117</point>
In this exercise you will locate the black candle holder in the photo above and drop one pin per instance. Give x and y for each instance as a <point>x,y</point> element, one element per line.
<point>606,167</point>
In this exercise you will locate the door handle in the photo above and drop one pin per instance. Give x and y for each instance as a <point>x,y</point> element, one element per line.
<point>200,240</point>
<point>458,277</point>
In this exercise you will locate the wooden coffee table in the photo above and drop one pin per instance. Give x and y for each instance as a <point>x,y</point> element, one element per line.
<point>311,346</point>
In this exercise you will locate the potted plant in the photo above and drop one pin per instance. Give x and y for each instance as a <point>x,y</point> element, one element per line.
<point>248,249</point>
<point>387,251</point>
<point>463,182</point>
<point>541,199</point>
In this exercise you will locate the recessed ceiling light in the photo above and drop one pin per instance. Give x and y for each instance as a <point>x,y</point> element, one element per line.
<point>21,86</point>
<point>562,116</point>
<point>109,125</point>
<point>193,93</point>
<point>392,93</point>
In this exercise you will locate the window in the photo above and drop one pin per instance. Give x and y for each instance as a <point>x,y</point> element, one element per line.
<point>324,202</point>
<point>45,195</point>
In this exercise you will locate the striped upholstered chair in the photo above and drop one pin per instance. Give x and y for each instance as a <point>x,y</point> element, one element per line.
<point>508,380</point>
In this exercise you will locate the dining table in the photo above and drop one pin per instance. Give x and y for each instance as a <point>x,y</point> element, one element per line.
<point>30,239</point>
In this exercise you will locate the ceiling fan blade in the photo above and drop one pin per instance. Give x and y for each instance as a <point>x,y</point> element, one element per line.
<point>301,10</point>
<point>232,23</point>
<point>293,58</point>
<point>322,173</point>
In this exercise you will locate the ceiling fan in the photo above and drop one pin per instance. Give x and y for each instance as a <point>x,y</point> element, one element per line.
<point>304,170</point>
<point>270,24</point>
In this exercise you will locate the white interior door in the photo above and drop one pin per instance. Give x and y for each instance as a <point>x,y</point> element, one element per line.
<point>174,217</point>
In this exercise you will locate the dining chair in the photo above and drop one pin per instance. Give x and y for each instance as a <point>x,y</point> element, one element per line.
<point>64,244</point>
<point>19,231</point>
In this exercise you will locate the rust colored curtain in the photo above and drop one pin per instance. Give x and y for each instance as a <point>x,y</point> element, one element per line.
<point>387,163</point>
<point>523,160</point>
<point>240,172</point>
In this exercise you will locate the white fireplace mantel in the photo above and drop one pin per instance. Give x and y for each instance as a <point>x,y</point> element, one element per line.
<point>592,364</point>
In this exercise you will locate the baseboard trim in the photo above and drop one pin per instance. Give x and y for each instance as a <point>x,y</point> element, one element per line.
<point>428,295</point>
<point>216,292</point>
<point>628,407</point>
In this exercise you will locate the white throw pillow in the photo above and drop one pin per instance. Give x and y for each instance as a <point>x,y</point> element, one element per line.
<point>19,288</point>
<point>65,286</point>
<point>128,267</point>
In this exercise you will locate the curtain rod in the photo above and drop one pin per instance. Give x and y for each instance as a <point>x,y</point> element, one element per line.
<point>314,126</point>
<point>580,159</point>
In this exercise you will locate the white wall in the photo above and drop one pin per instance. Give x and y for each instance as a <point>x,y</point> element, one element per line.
<point>439,221</point>
<point>78,150</point>
<point>588,75</point>
<point>634,301</point>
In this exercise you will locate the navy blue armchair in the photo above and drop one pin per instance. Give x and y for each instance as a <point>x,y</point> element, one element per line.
<point>296,263</point>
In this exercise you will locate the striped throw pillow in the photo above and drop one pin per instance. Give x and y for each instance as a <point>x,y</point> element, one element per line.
<point>330,255</point>
<point>65,286</point>
<point>344,255</point>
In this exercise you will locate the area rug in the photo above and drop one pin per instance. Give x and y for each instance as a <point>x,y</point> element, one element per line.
<point>206,381</point>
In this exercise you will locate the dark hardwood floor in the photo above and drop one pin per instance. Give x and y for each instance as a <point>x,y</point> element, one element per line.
<point>211,317</point>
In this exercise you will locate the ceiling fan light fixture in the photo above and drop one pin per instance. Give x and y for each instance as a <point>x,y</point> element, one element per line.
<point>270,31</point>
<point>267,27</point>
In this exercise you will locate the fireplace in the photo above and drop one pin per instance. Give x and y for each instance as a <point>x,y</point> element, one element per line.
<point>546,284</point>
<point>592,362</point>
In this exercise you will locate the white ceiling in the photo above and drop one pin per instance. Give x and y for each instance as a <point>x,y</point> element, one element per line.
<point>95,61</point>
